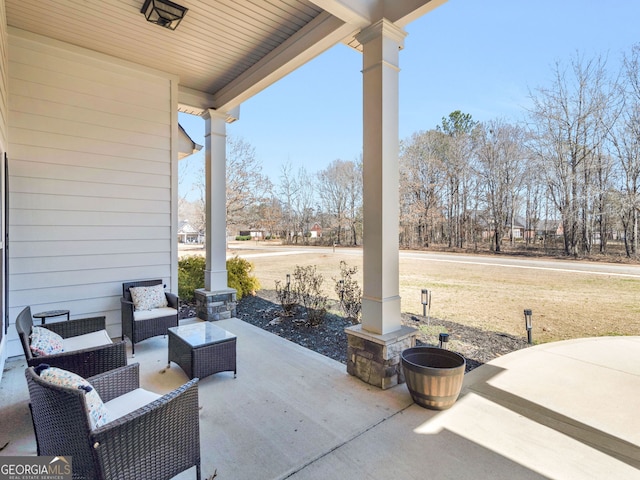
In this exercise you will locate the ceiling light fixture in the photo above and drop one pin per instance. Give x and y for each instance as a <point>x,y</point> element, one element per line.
<point>164,13</point>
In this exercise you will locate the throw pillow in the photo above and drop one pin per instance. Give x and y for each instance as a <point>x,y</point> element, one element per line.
<point>148,298</point>
<point>95,407</point>
<point>45,342</point>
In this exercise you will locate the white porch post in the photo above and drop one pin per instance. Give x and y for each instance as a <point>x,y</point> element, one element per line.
<point>216,301</point>
<point>381,300</point>
<point>215,275</point>
<point>374,347</point>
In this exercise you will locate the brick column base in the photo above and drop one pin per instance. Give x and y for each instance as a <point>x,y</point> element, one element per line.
<point>375,359</point>
<point>218,305</point>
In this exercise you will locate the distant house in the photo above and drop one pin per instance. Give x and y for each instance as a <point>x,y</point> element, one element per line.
<point>549,228</point>
<point>486,227</point>
<point>188,234</point>
<point>254,233</point>
<point>518,228</point>
<point>316,231</point>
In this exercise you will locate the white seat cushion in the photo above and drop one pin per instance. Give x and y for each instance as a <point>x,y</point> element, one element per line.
<point>155,313</point>
<point>129,402</point>
<point>88,340</point>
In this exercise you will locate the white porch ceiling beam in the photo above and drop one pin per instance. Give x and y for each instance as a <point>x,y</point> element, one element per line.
<point>363,13</point>
<point>322,33</point>
<point>404,12</point>
<point>359,13</point>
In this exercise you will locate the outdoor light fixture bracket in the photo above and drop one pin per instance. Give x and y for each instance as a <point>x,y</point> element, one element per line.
<point>164,13</point>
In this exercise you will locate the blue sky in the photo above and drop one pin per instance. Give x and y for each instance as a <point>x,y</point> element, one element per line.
<point>480,57</point>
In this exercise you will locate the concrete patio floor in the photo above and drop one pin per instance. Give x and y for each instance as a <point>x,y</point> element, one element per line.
<point>565,410</point>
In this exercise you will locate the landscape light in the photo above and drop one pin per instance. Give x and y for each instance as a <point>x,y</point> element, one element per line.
<point>444,338</point>
<point>528,324</point>
<point>425,299</point>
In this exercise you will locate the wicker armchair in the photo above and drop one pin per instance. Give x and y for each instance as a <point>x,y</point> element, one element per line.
<point>138,329</point>
<point>86,362</point>
<point>157,441</point>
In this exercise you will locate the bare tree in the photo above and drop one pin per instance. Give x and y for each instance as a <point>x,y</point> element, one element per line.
<point>303,203</point>
<point>456,158</point>
<point>270,216</point>
<point>353,184</point>
<point>534,201</point>
<point>625,141</point>
<point>190,210</point>
<point>501,164</point>
<point>339,186</point>
<point>287,193</point>
<point>247,187</point>
<point>568,121</point>
<point>422,179</point>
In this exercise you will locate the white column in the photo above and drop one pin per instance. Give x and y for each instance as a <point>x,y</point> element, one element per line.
<point>381,296</point>
<point>215,274</point>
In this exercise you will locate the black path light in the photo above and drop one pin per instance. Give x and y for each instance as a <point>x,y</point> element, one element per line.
<point>444,338</point>
<point>164,13</point>
<point>528,324</point>
<point>425,299</point>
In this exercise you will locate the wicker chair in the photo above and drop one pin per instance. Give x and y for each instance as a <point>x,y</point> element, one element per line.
<point>157,441</point>
<point>138,330</point>
<point>86,362</point>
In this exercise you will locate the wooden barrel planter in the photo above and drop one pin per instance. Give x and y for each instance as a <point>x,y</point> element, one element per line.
<point>434,376</point>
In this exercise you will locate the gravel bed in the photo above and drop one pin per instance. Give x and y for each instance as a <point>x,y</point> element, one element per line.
<point>329,338</point>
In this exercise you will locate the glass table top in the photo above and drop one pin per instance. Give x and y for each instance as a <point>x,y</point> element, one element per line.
<point>204,333</point>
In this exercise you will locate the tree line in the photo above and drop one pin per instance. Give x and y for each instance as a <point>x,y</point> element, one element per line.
<point>568,173</point>
<point>330,198</point>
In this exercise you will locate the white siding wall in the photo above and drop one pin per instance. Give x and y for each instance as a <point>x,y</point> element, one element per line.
<point>4,109</point>
<point>91,179</point>
<point>4,86</point>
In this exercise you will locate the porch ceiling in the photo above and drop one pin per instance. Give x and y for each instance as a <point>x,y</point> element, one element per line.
<point>227,49</point>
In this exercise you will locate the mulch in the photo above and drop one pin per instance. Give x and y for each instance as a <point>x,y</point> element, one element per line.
<point>329,338</point>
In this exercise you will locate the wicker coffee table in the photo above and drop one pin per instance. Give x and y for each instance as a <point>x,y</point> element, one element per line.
<point>202,349</point>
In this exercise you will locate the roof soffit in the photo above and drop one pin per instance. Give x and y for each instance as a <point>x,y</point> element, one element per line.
<point>223,52</point>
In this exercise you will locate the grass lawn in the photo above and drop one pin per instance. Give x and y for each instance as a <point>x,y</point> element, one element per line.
<point>565,304</point>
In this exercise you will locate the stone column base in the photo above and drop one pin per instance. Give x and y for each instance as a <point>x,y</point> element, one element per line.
<point>375,359</point>
<point>217,305</point>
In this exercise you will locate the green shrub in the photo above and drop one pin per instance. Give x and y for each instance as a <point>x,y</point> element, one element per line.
<point>239,277</point>
<point>242,238</point>
<point>190,276</point>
